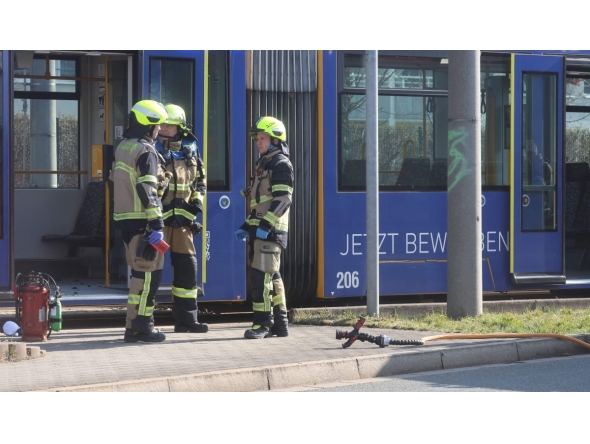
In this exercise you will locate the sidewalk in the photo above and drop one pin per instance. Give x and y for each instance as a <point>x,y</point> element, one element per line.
<point>222,360</point>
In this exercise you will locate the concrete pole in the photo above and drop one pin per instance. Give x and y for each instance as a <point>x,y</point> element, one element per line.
<point>44,133</point>
<point>372,209</point>
<point>464,286</point>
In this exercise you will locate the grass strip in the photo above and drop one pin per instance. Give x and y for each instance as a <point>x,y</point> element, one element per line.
<point>561,321</point>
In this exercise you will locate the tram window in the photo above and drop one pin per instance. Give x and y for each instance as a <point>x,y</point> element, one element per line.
<point>577,137</point>
<point>495,120</point>
<point>46,124</point>
<point>394,72</point>
<point>217,132</point>
<point>413,122</point>
<point>577,91</point>
<point>577,120</point>
<point>539,139</point>
<point>172,81</point>
<point>409,128</point>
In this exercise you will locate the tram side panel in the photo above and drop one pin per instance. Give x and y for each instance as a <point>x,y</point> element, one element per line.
<point>412,227</point>
<point>225,268</point>
<point>413,243</point>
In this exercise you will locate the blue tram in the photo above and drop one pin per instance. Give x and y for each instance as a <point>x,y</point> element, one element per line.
<point>64,111</point>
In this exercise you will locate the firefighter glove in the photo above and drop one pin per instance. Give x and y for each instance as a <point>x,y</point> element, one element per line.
<point>156,237</point>
<point>198,204</point>
<point>241,235</point>
<point>196,227</point>
<point>261,233</point>
<point>145,249</point>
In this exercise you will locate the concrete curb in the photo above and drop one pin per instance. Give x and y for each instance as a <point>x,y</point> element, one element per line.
<point>282,377</point>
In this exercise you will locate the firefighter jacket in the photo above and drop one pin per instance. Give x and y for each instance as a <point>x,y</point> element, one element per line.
<point>270,197</point>
<point>136,167</point>
<point>183,200</point>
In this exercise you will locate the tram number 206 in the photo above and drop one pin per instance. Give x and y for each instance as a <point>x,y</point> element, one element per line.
<point>347,279</point>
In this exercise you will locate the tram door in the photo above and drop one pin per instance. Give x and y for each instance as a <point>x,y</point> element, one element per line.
<point>536,219</point>
<point>210,87</point>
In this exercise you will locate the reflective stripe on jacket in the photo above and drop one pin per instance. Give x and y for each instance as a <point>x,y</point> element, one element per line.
<point>136,167</point>
<point>184,199</point>
<point>271,197</point>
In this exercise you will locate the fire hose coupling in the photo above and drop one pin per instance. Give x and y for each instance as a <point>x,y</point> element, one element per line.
<point>381,340</point>
<point>384,341</point>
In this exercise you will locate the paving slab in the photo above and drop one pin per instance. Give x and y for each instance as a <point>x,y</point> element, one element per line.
<point>223,361</point>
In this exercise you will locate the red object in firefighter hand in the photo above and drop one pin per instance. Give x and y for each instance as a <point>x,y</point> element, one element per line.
<point>156,240</point>
<point>161,246</point>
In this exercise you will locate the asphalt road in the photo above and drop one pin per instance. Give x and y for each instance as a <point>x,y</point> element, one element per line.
<point>567,374</point>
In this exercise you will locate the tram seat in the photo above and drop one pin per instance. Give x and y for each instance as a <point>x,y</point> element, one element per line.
<point>577,195</point>
<point>582,221</point>
<point>355,173</point>
<point>90,228</point>
<point>414,172</point>
<point>438,173</point>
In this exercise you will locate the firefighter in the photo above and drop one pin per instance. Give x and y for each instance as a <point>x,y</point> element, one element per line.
<point>267,228</point>
<point>137,170</point>
<point>182,203</point>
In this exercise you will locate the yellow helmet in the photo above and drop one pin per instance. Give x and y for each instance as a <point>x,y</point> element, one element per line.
<point>149,112</point>
<point>176,116</point>
<point>271,126</point>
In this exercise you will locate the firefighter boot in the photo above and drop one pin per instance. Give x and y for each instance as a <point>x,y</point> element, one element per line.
<point>134,336</point>
<point>142,331</point>
<point>196,327</point>
<point>281,327</point>
<point>185,321</point>
<point>258,332</point>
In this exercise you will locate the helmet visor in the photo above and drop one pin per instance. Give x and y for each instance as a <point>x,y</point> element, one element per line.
<point>153,119</point>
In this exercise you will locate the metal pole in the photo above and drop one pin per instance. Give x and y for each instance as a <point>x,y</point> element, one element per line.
<point>107,200</point>
<point>464,276</point>
<point>372,211</point>
<point>204,216</point>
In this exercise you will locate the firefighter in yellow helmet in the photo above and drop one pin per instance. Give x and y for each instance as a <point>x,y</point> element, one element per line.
<point>137,169</point>
<point>267,228</point>
<point>182,202</point>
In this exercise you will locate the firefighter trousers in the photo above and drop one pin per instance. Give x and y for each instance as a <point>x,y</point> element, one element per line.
<point>145,280</point>
<point>267,290</point>
<point>183,258</point>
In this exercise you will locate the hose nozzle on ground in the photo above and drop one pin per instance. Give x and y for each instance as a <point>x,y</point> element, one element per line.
<point>381,340</point>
